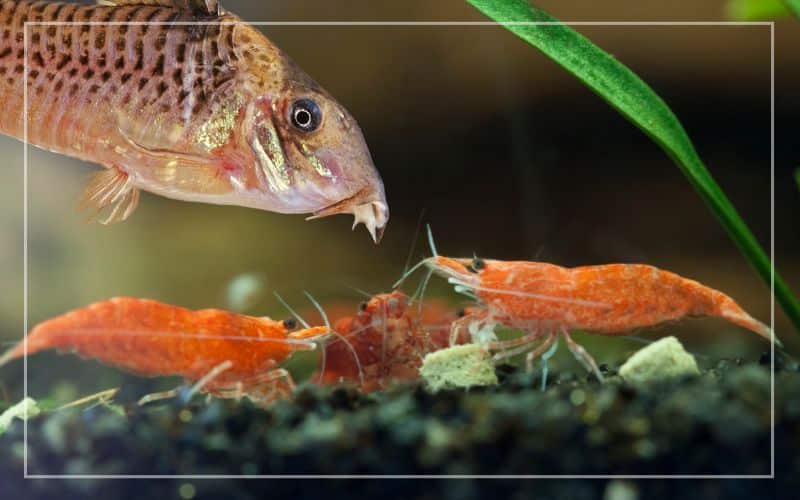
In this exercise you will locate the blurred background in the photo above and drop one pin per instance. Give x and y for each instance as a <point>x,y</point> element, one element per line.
<point>475,132</point>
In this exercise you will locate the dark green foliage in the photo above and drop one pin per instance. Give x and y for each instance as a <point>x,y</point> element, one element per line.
<point>793,6</point>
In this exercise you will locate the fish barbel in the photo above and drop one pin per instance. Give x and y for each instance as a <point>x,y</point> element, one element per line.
<point>182,99</point>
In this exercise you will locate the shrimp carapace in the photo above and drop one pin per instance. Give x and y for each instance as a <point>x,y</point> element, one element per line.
<point>545,300</point>
<point>182,99</point>
<point>610,299</point>
<point>150,338</point>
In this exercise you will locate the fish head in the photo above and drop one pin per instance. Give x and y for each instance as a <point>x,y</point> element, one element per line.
<point>308,151</point>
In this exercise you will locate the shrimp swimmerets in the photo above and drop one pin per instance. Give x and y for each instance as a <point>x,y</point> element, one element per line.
<point>185,100</point>
<point>545,300</point>
<point>224,354</point>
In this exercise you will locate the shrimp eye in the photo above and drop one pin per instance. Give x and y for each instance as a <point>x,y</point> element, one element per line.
<point>305,115</point>
<point>290,323</point>
<point>362,306</point>
<point>476,265</point>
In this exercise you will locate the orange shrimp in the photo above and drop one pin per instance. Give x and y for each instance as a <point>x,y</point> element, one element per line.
<point>222,353</point>
<point>387,341</point>
<point>545,300</point>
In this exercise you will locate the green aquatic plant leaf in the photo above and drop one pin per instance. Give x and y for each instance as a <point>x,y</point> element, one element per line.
<point>759,10</point>
<point>793,6</point>
<point>635,100</point>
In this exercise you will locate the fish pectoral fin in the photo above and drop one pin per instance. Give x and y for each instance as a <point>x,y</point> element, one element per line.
<point>173,170</point>
<point>204,7</point>
<point>111,196</point>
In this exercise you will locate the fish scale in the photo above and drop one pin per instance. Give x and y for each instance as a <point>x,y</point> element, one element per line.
<point>184,100</point>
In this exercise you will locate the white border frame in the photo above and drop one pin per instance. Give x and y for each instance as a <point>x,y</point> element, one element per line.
<point>771,475</point>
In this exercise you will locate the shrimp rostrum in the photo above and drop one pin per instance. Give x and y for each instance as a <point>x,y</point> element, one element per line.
<point>546,301</point>
<point>221,353</point>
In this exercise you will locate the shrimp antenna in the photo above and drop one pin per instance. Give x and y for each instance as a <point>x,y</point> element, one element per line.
<point>420,263</point>
<point>414,239</point>
<point>417,292</point>
<point>360,291</point>
<point>424,287</point>
<point>340,336</point>
<point>292,311</point>
<point>319,308</point>
<point>469,290</point>
<point>409,273</point>
<point>328,325</point>
<point>430,240</point>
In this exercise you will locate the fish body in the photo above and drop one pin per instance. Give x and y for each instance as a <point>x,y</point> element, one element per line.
<point>185,100</point>
<point>150,338</point>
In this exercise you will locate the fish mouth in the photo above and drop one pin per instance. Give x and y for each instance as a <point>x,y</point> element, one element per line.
<point>374,214</point>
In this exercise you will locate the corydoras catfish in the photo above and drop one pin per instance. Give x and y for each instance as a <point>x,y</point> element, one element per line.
<point>182,99</point>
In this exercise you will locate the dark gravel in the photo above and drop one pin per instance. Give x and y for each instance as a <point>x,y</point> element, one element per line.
<point>717,423</point>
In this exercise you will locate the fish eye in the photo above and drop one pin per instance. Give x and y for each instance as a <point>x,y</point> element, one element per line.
<point>305,115</point>
<point>290,323</point>
<point>476,265</point>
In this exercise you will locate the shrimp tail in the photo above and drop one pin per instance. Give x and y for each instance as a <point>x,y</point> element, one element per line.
<point>730,311</point>
<point>39,339</point>
<point>11,354</point>
<point>710,302</point>
<point>60,332</point>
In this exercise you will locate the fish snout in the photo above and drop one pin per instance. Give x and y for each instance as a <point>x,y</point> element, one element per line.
<point>368,207</point>
<point>374,215</point>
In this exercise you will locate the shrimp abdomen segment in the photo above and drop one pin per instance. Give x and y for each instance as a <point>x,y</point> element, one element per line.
<point>640,295</point>
<point>609,299</point>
